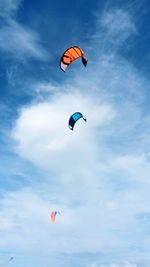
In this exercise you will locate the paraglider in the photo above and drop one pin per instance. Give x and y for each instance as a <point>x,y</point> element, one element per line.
<point>53,215</point>
<point>74,118</point>
<point>7,261</point>
<point>71,54</point>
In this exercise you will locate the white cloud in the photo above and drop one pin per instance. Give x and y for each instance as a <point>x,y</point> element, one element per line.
<point>114,27</point>
<point>117,22</point>
<point>21,41</point>
<point>120,265</point>
<point>127,264</point>
<point>16,39</point>
<point>86,170</point>
<point>45,127</point>
<point>130,265</point>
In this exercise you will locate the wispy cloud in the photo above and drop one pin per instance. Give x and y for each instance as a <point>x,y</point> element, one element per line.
<point>113,29</point>
<point>18,40</point>
<point>117,23</point>
<point>21,41</point>
<point>9,7</point>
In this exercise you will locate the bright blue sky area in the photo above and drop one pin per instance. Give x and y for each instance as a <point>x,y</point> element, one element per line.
<point>98,175</point>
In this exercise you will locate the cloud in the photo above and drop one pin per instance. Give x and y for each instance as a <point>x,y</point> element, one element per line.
<point>16,39</point>
<point>122,265</point>
<point>117,22</point>
<point>18,211</point>
<point>26,215</point>
<point>45,126</point>
<point>113,29</point>
<point>8,7</point>
<point>21,41</point>
<point>86,175</point>
<point>113,265</point>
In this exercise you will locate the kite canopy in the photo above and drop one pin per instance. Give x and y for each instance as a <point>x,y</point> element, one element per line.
<point>11,258</point>
<point>71,54</point>
<point>74,118</point>
<point>53,215</point>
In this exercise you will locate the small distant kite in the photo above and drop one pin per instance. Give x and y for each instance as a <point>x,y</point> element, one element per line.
<point>71,54</point>
<point>74,118</point>
<point>53,215</point>
<point>11,259</point>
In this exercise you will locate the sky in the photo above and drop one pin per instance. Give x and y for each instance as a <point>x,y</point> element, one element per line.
<point>97,176</point>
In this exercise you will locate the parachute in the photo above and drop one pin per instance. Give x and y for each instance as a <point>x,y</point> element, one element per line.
<point>53,215</point>
<point>71,54</point>
<point>74,118</point>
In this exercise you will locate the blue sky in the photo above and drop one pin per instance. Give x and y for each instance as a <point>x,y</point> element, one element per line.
<point>98,176</point>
